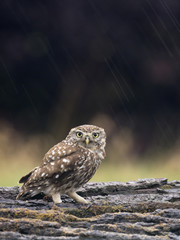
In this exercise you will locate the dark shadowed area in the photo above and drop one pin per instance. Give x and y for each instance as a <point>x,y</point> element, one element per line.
<point>115,64</point>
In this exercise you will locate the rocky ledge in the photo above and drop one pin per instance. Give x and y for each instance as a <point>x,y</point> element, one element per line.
<point>145,209</point>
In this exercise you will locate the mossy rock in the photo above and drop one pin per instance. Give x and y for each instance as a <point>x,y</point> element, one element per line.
<point>147,209</point>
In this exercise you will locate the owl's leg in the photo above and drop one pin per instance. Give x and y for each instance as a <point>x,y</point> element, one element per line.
<point>56,198</point>
<point>77,198</point>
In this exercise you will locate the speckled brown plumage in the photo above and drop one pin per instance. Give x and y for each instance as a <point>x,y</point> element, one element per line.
<point>67,166</point>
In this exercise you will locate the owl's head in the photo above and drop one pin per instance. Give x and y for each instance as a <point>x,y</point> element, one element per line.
<point>88,136</point>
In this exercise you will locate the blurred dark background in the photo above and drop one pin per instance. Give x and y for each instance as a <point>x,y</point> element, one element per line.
<point>111,63</point>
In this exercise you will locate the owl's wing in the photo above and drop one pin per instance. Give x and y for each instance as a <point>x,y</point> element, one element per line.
<point>25,178</point>
<point>62,160</point>
<point>58,163</point>
<point>58,152</point>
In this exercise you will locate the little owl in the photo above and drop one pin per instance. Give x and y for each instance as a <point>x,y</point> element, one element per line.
<point>67,166</point>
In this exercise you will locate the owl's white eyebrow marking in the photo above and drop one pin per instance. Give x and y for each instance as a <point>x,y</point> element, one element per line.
<point>42,174</point>
<point>57,176</point>
<point>52,163</point>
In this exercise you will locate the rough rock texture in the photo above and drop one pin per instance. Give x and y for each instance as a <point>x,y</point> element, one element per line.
<point>147,209</point>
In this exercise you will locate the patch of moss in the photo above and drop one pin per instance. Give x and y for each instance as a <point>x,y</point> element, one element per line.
<point>93,210</point>
<point>166,186</point>
<point>46,215</point>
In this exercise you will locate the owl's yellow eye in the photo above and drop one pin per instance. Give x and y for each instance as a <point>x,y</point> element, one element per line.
<point>79,134</point>
<point>95,135</point>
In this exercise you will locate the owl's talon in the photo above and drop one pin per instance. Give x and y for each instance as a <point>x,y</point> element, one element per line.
<point>89,206</point>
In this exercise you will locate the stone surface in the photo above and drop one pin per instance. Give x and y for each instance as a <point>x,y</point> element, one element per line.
<point>145,209</point>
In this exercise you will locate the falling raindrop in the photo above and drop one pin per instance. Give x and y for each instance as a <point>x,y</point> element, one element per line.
<point>12,81</point>
<point>31,100</point>
<point>158,33</point>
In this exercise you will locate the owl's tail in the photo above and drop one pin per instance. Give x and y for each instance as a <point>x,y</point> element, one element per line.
<point>25,191</point>
<point>23,195</point>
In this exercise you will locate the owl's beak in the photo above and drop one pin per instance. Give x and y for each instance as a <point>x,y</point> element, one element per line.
<point>87,141</point>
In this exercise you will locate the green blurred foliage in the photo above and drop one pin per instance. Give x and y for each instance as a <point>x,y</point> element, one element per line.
<point>19,154</point>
